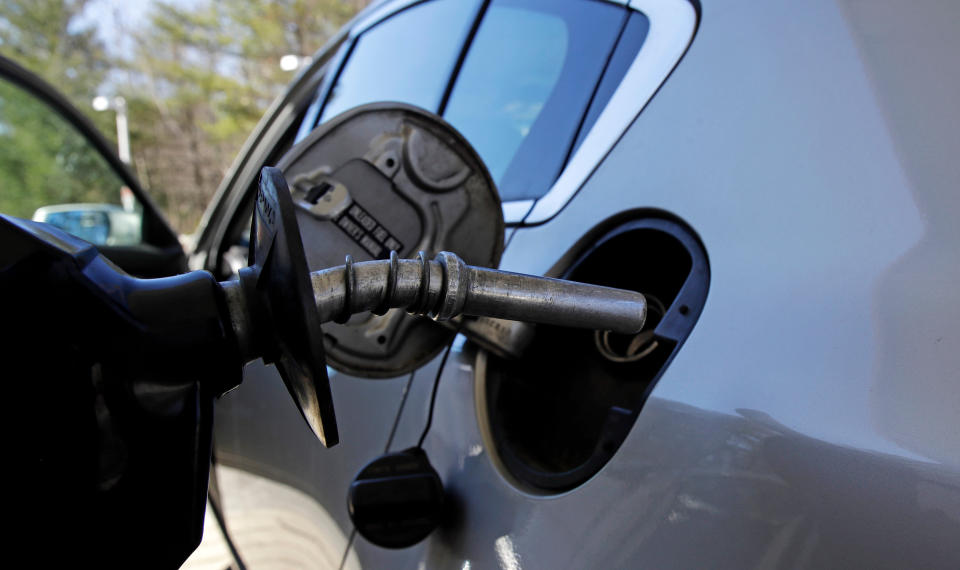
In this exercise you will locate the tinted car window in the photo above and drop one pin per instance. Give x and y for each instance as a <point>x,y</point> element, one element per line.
<point>525,85</point>
<point>407,58</point>
<point>521,95</point>
<point>513,66</point>
<point>628,46</point>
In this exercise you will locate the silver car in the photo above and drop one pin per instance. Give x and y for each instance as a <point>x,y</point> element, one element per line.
<point>781,181</point>
<point>779,178</point>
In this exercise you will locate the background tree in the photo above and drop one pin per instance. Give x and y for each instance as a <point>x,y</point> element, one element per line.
<point>42,159</point>
<point>204,75</point>
<point>48,38</point>
<point>196,81</point>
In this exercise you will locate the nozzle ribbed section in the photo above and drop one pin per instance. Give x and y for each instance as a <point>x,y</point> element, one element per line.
<point>446,287</point>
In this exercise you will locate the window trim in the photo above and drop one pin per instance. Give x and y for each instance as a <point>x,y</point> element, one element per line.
<point>380,13</point>
<point>672,24</point>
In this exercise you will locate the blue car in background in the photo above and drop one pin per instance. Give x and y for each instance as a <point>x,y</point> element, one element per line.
<point>99,224</point>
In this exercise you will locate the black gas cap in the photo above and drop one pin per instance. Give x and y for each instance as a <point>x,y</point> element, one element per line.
<point>397,499</point>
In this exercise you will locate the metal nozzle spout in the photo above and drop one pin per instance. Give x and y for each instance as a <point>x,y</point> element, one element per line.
<point>447,287</point>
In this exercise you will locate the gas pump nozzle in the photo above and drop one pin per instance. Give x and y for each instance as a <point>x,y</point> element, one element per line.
<point>144,358</point>
<point>445,288</point>
<point>276,307</point>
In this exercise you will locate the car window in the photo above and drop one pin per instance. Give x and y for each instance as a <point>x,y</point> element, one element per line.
<point>51,173</point>
<point>628,46</point>
<point>407,58</point>
<point>512,68</point>
<point>526,83</point>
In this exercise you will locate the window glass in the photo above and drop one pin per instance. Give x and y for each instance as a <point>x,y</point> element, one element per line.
<point>513,66</point>
<point>51,173</point>
<point>407,58</point>
<point>526,83</point>
<point>628,46</point>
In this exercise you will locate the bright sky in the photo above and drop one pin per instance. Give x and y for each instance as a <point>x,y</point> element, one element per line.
<point>113,16</point>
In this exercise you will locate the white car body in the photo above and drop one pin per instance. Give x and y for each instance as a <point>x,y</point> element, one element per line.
<point>812,417</point>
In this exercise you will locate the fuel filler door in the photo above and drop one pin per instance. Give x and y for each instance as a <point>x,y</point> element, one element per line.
<point>382,178</point>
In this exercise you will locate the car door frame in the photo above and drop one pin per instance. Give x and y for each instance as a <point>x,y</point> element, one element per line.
<point>161,252</point>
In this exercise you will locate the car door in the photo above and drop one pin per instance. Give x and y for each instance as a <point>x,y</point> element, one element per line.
<point>57,168</point>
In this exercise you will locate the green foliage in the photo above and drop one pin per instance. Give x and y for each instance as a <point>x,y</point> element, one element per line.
<point>44,160</point>
<point>196,82</point>
<point>209,72</point>
<point>44,36</point>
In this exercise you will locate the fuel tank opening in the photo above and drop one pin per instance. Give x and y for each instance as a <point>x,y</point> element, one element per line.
<point>557,415</point>
<point>632,347</point>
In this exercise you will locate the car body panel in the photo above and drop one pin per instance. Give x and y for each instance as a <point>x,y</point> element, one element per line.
<point>672,25</point>
<point>256,431</point>
<point>812,417</point>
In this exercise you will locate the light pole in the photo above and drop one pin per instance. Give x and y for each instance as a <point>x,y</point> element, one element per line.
<point>293,62</point>
<point>118,104</point>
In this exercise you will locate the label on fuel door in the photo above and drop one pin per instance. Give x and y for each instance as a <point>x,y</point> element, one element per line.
<point>367,232</point>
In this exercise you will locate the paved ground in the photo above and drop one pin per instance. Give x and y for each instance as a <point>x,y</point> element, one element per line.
<point>273,526</point>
